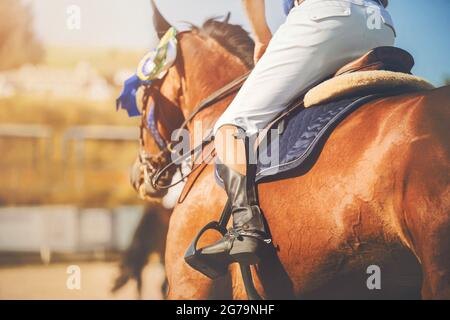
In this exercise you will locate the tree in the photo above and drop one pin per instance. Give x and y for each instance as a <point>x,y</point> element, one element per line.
<point>18,43</point>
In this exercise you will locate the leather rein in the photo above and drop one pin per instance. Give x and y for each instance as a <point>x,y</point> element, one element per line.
<point>152,171</point>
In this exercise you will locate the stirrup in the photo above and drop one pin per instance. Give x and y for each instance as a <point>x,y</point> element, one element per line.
<point>212,268</point>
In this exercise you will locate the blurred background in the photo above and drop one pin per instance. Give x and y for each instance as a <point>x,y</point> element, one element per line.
<point>65,152</point>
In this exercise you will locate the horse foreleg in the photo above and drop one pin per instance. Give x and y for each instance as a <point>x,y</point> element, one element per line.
<point>432,243</point>
<point>433,246</point>
<point>426,206</point>
<point>203,205</point>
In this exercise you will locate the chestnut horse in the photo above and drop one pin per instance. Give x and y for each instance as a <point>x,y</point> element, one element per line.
<point>377,194</point>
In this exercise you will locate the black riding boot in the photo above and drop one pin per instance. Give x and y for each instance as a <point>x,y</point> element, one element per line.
<point>245,241</point>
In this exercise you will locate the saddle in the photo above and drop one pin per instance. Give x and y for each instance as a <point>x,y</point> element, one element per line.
<point>381,72</point>
<point>303,126</point>
<point>384,69</point>
<point>381,58</point>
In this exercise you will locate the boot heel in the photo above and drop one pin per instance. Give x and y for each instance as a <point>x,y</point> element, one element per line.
<point>246,258</point>
<point>247,251</point>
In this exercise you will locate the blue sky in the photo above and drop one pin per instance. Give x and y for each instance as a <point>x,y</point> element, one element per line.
<point>423,26</point>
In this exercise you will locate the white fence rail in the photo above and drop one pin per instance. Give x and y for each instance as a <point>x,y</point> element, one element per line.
<point>66,229</point>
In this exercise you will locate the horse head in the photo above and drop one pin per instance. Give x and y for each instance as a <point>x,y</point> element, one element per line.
<point>208,57</point>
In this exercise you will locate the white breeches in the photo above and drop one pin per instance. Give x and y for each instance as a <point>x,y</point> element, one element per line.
<point>318,38</point>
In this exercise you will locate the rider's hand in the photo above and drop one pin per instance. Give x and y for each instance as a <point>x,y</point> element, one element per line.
<point>260,48</point>
<point>256,12</point>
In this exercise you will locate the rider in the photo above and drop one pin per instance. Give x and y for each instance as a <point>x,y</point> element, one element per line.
<point>318,37</point>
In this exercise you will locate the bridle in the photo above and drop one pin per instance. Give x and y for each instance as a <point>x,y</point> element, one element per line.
<point>151,163</point>
<point>155,167</point>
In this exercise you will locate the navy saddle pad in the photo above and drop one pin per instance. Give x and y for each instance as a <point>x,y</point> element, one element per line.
<point>301,132</point>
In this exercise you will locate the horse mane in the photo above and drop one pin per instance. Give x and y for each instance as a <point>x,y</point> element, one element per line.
<point>231,36</point>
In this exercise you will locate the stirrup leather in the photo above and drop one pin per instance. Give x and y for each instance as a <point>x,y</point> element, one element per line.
<point>248,233</point>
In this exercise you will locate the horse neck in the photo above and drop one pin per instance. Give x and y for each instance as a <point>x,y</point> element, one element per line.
<point>207,68</point>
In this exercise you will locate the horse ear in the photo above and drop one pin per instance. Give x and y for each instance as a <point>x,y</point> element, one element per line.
<point>159,22</point>
<point>227,17</point>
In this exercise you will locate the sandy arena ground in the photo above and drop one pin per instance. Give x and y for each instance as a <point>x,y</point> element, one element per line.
<point>49,282</point>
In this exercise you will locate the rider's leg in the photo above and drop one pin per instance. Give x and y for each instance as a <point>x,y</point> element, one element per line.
<point>317,38</point>
<point>246,240</point>
<point>230,150</point>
